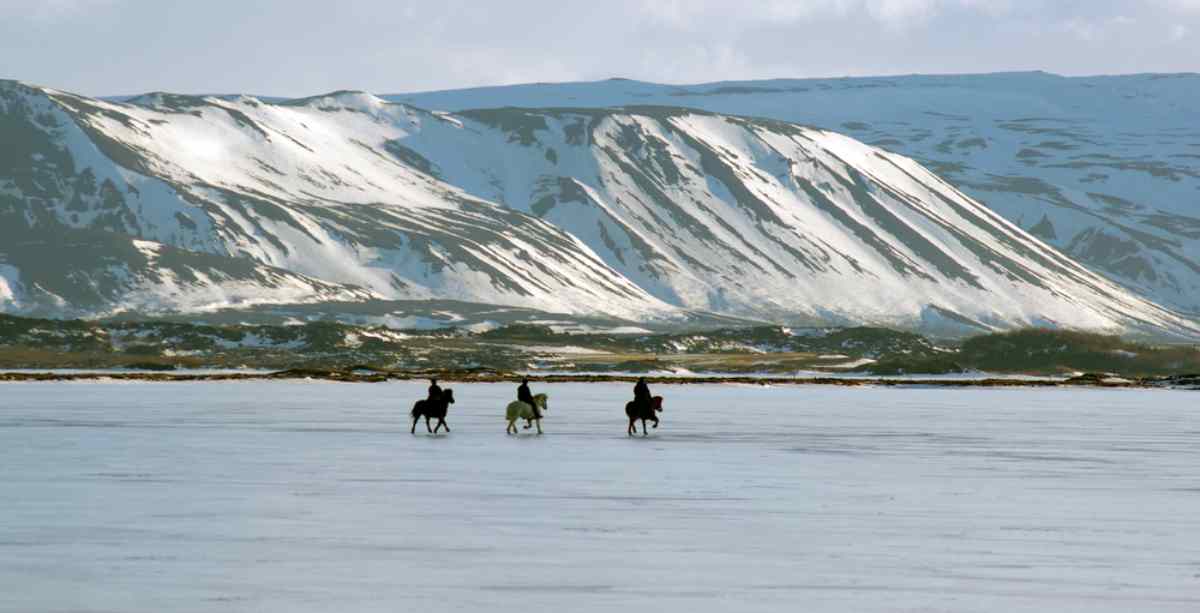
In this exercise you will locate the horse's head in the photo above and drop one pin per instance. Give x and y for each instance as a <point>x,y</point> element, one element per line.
<point>656,402</point>
<point>448,394</point>
<point>543,401</point>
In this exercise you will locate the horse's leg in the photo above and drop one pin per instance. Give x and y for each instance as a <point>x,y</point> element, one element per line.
<point>427,425</point>
<point>539,425</point>
<point>442,423</point>
<point>644,431</point>
<point>632,426</point>
<point>414,428</point>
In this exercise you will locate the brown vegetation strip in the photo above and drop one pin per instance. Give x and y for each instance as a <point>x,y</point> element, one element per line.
<point>376,376</point>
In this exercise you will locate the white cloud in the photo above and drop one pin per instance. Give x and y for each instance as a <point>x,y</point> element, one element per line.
<point>283,46</point>
<point>485,66</point>
<point>899,12</point>
<point>49,10</point>
<point>698,14</point>
<point>1182,5</point>
<point>1096,30</point>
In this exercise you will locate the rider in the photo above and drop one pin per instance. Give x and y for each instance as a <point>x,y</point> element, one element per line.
<point>435,392</point>
<point>524,395</point>
<point>641,395</point>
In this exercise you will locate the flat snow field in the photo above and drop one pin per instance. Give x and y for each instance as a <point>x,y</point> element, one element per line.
<point>313,496</point>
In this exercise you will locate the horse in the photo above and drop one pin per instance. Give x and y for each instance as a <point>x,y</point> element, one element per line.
<point>636,411</point>
<point>521,410</point>
<point>433,409</point>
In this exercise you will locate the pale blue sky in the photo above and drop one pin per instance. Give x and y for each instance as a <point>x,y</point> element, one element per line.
<point>301,47</point>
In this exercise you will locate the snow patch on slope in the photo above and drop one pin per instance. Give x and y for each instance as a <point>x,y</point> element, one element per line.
<point>9,284</point>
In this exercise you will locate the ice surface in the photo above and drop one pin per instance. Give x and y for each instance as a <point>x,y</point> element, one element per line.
<point>295,496</point>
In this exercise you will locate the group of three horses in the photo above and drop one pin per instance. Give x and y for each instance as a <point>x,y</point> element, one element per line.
<point>517,410</point>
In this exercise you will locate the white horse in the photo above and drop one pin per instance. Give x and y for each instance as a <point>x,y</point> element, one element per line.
<point>521,410</point>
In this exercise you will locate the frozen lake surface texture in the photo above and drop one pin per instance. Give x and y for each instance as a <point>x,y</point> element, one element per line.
<point>313,496</point>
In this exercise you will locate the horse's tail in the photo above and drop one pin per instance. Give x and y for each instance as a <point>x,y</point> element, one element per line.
<point>416,410</point>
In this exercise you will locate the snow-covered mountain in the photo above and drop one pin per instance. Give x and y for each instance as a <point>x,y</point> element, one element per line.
<point>306,187</point>
<point>641,213</point>
<point>1107,169</point>
<point>69,272</point>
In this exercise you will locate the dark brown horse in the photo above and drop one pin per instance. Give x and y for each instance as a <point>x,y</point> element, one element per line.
<point>636,410</point>
<point>433,409</point>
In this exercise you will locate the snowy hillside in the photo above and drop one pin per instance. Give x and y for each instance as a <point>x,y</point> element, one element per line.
<point>307,187</point>
<point>1106,168</point>
<point>643,213</point>
<point>87,272</point>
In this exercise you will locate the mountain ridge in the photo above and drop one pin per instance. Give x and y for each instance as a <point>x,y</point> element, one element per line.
<point>1102,167</point>
<point>644,212</point>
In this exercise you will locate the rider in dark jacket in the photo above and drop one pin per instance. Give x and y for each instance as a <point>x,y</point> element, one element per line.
<point>641,394</point>
<point>526,396</point>
<point>435,392</point>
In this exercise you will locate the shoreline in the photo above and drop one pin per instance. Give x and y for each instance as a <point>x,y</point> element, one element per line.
<point>359,376</point>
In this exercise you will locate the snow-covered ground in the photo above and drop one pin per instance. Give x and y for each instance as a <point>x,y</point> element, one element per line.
<point>114,371</point>
<point>295,496</point>
<point>683,373</point>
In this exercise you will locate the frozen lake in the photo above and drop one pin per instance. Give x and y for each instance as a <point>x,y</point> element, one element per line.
<point>298,496</point>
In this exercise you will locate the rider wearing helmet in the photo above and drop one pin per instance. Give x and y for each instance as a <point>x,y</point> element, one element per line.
<point>435,391</point>
<point>641,395</point>
<point>526,396</point>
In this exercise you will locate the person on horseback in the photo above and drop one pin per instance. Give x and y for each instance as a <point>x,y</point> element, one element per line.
<point>643,407</point>
<point>641,395</point>
<point>435,391</point>
<point>526,396</point>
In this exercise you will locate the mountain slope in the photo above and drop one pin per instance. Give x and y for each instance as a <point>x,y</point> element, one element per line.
<point>641,213</point>
<point>765,218</point>
<point>292,187</point>
<point>1107,169</point>
<point>72,272</point>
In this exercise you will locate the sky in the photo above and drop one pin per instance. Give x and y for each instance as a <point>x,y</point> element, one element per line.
<point>306,47</point>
